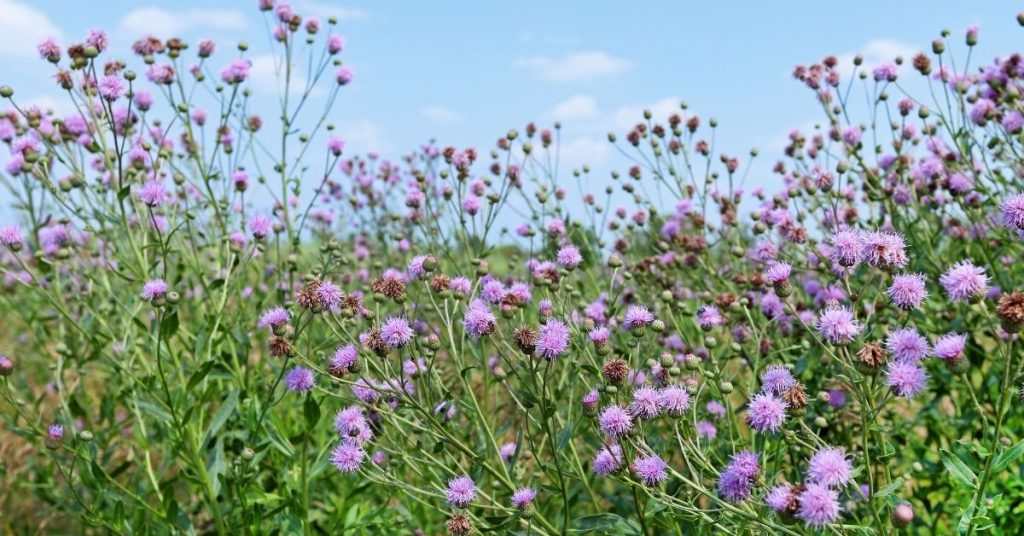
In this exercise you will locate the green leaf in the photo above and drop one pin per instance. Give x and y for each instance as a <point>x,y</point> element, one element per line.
<point>169,325</point>
<point>607,523</point>
<point>1008,456</point>
<point>311,409</point>
<point>223,414</point>
<point>200,374</point>
<point>890,488</point>
<point>959,470</point>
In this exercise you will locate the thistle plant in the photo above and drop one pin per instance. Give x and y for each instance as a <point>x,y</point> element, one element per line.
<point>219,320</point>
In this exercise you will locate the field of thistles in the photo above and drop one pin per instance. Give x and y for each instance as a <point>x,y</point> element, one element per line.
<point>218,320</point>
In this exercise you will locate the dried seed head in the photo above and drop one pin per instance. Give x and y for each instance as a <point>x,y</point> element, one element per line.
<point>459,525</point>
<point>390,287</point>
<point>308,297</point>
<point>1011,310</point>
<point>872,355</point>
<point>440,283</point>
<point>615,371</point>
<point>795,396</point>
<point>280,347</point>
<point>526,339</point>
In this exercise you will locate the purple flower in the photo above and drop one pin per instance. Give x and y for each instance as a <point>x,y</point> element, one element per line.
<point>906,344</point>
<point>154,290</point>
<point>12,237</point>
<point>152,193</point>
<point>299,380</point>
<point>335,43</point>
<point>780,497</point>
<point>778,273</point>
<point>396,332</point>
<point>329,294</point>
<point>461,285</point>
<point>545,307</point>
<point>637,316</point>
<point>569,257</point>
<point>275,316</point>
<point>236,72</point>
<point>599,336</point>
<point>608,460</point>
<point>471,205</point>
<point>110,87</point>
<point>708,317</point>
<point>736,483</point>
<point>461,491</point>
<point>777,379</point>
<point>950,346</point>
<point>552,339</point>
<point>819,505</point>
<point>907,291</point>
<point>522,498</point>
<point>493,291</point>
<point>344,76</point>
<point>706,430</point>
<point>846,247</point>
<point>343,360</point>
<point>55,433</point>
<point>646,403</point>
<point>49,49</point>
<point>766,413</point>
<point>478,319</point>
<point>415,268</point>
<point>615,422</point>
<point>964,281</point>
<point>837,325</point>
<point>347,457</point>
<point>905,378</point>
<point>884,250</point>
<point>260,226</point>
<point>650,469</point>
<point>829,467</point>
<point>674,400</point>
<point>1013,212</point>
<point>352,426</point>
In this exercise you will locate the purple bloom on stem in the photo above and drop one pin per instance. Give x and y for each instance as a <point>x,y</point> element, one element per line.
<point>352,426</point>
<point>736,482</point>
<point>569,257</point>
<point>154,290</point>
<point>615,421</point>
<point>152,193</point>
<point>396,332</point>
<point>274,317</point>
<point>260,226</point>
<point>950,346</point>
<point>777,379</point>
<point>49,49</point>
<point>780,497</point>
<point>347,457</point>
<point>299,380</point>
<point>907,291</point>
<point>778,273</point>
<point>884,250</point>
<point>599,335</point>
<point>819,505</point>
<point>478,319</point>
<point>111,87</point>
<point>829,467</point>
<point>906,378</point>
<point>522,498</point>
<point>964,281</point>
<point>1013,212</point>
<point>552,339</point>
<point>637,316</point>
<point>906,344</point>
<point>650,469</point>
<point>766,413</point>
<point>343,360</point>
<point>674,400</point>
<point>12,237</point>
<point>236,72</point>
<point>646,403</point>
<point>415,268</point>
<point>330,295</point>
<point>55,433</point>
<point>706,430</point>
<point>708,317</point>
<point>345,76</point>
<point>461,491</point>
<point>837,325</point>
<point>846,247</point>
<point>608,460</point>
<point>461,285</point>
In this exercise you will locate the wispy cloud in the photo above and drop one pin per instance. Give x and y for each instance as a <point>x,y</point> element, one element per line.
<point>440,114</point>
<point>22,27</point>
<point>578,106</point>
<point>626,117</point>
<point>585,150</point>
<point>575,66</point>
<point>364,135</point>
<point>325,11</point>
<point>153,20</point>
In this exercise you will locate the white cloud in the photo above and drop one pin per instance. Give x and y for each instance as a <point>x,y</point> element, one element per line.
<point>575,66</point>
<point>627,117</point>
<point>325,11</point>
<point>363,135</point>
<point>152,20</point>
<point>440,114</point>
<point>578,106</point>
<point>876,52</point>
<point>22,27</point>
<point>593,151</point>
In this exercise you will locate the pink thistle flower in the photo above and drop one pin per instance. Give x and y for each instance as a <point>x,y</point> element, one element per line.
<point>964,281</point>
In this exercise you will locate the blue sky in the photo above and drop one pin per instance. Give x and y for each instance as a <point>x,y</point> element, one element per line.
<point>465,72</point>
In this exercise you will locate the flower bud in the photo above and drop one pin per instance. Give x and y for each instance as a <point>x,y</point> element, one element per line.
<point>902,515</point>
<point>6,366</point>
